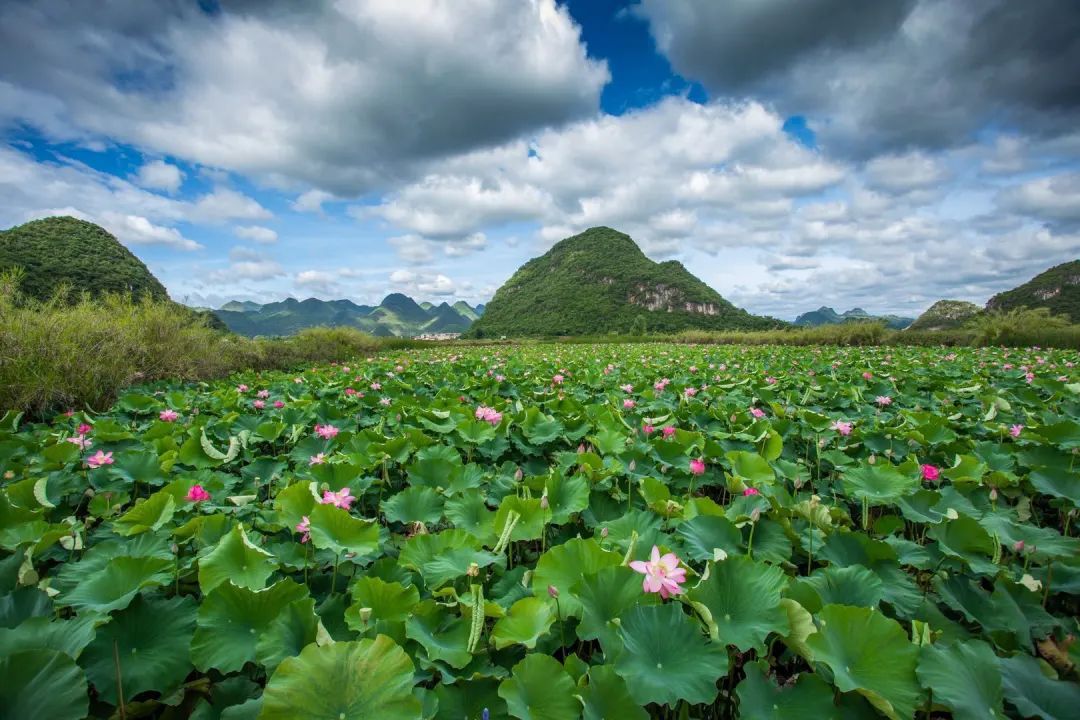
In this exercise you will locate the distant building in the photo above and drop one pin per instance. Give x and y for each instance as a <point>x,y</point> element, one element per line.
<point>438,336</point>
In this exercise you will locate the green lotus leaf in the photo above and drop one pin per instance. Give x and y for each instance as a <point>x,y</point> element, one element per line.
<point>41,633</point>
<point>870,654</point>
<point>539,688</point>
<point>1057,482</point>
<point>469,700</point>
<point>42,684</point>
<point>414,504</point>
<point>333,528</point>
<point>152,640</point>
<point>664,656</point>
<point>604,596</point>
<point>148,515</point>
<point>476,432</point>
<point>231,619</point>
<point>294,502</point>
<point>851,585</point>
<point>115,585</point>
<point>1031,692</point>
<point>528,619</point>
<point>539,428</point>
<point>808,697</point>
<point>435,467</point>
<point>235,559</point>
<point>703,535</point>
<point>751,466</point>
<point>566,496</point>
<point>965,678</point>
<point>606,696</point>
<point>740,601</point>
<point>444,636</point>
<point>531,517</point>
<point>880,484</point>
<point>469,512</point>
<point>564,565</point>
<point>345,681</point>
<point>390,601</point>
<point>444,556</point>
<point>294,628</point>
<point>965,538</point>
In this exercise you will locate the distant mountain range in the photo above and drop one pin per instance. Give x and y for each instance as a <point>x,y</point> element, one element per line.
<point>827,316</point>
<point>600,282</point>
<point>397,315</point>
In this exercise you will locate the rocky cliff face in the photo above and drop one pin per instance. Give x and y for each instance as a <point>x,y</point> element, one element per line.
<point>668,299</point>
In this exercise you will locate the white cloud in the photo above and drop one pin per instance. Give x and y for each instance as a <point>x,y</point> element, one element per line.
<point>1054,198</point>
<point>137,230</point>
<point>326,94</point>
<point>160,175</point>
<point>311,201</point>
<point>225,204</point>
<point>258,233</point>
<point>424,284</point>
<point>317,281</point>
<point>904,173</point>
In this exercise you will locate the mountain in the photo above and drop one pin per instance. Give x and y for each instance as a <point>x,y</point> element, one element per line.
<point>80,254</point>
<point>600,281</point>
<point>1057,289</point>
<point>946,315</point>
<point>397,315</point>
<point>473,314</point>
<point>827,316</point>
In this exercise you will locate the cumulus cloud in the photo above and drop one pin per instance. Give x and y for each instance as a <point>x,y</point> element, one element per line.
<point>225,204</point>
<point>1055,199</point>
<point>338,96</point>
<point>317,281</point>
<point>886,75</point>
<point>258,233</point>
<point>311,201</point>
<point>246,264</point>
<point>137,230</point>
<point>423,284</point>
<point>160,175</point>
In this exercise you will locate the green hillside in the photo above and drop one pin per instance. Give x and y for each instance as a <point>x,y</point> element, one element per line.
<point>827,316</point>
<point>1057,289</point>
<point>397,315</point>
<point>59,251</point>
<point>600,281</point>
<point>946,315</point>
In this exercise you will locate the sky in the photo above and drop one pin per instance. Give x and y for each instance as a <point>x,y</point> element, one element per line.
<point>791,153</point>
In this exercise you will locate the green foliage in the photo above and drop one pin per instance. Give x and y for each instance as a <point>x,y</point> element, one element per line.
<point>1056,289</point>
<point>600,281</point>
<point>999,327</point>
<point>69,256</point>
<point>946,315</point>
<point>500,570</point>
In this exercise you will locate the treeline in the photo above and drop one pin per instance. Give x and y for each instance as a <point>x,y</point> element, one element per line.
<point>81,352</point>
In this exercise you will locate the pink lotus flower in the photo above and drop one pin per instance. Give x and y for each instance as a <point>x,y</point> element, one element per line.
<point>349,391</point>
<point>242,388</point>
<point>697,466</point>
<point>628,404</point>
<point>376,386</point>
<point>690,392</point>
<point>81,440</point>
<point>319,459</point>
<point>197,494</point>
<point>84,429</point>
<point>279,404</point>
<point>487,414</point>
<point>867,375</point>
<point>1015,430</point>
<point>304,527</point>
<point>648,429</point>
<point>750,491</point>
<point>771,380</point>
<point>168,415</point>
<point>343,498</point>
<point>930,473</point>
<point>500,378</point>
<point>557,379</point>
<point>628,388</point>
<point>757,412</point>
<point>883,400</point>
<point>326,432</point>
<point>102,458</point>
<point>662,574</point>
<point>384,401</point>
<point>844,428</point>
<point>258,404</point>
<point>263,394</point>
<point>668,431</point>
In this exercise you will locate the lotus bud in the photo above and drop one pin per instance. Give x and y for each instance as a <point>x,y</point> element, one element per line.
<point>544,504</point>
<point>1018,546</point>
<point>365,615</point>
<point>581,448</point>
<point>632,466</point>
<point>473,570</point>
<point>993,494</point>
<point>553,592</point>
<point>798,483</point>
<point>9,475</point>
<point>603,532</point>
<point>755,515</point>
<point>174,548</point>
<point>872,459</point>
<point>733,418</point>
<point>518,474</point>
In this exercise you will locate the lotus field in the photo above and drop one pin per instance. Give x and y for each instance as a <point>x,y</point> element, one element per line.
<point>555,531</point>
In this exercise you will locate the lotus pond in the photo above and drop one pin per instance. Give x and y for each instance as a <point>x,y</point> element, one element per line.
<point>555,531</point>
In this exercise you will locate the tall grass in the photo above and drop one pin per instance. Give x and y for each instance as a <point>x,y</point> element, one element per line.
<point>60,354</point>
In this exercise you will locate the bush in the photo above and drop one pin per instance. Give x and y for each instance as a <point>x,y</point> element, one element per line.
<point>58,354</point>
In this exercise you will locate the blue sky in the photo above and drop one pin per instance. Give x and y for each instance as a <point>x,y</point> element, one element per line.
<point>790,153</point>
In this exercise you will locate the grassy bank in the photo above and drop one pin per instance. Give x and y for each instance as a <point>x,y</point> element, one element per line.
<point>55,355</point>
